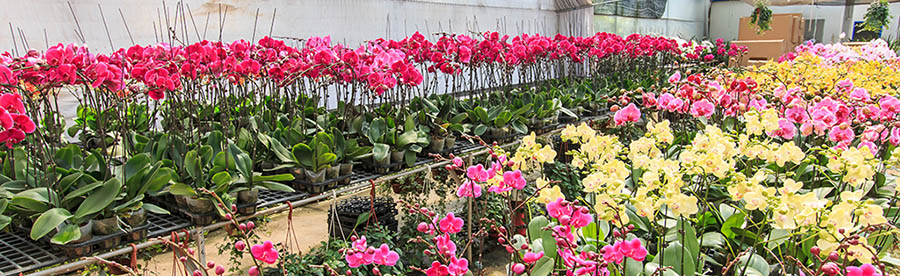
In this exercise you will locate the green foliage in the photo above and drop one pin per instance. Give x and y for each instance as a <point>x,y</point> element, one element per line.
<point>877,16</point>
<point>761,17</point>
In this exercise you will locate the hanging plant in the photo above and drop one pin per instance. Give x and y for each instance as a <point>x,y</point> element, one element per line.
<point>761,17</point>
<point>877,16</point>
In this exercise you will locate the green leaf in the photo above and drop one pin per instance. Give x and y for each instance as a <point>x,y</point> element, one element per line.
<point>83,190</point>
<point>502,119</point>
<point>304,155</point>
<point>35,199</point>
<point>152,208</point>
<point>158,180</point>
<point>182,190</point>
<point>480,129</point>
<point>69,233</point>
<point>221,181</point>
<point>777,237</point>
<point>101,198</point>
<point>4,221</point>
<point>536,225</point>
<point>519,127</point>
<point>633,268</point>
<point>48,221</point>
<point>68,181</point>
<point>757,266</point>
<point>679,258</point>
<point>361,219</point>
<point>458,118</point>
<point>733,222</point>
<point>242,160</point>
<point>68,157</point>
<point>549,244</point>
<point>481,114</point>
<point>192,164</point>
<point>275,186</point>
<point>543,267</point>
<point>684,233</point>
<point>713,239</point>
<point>381,151</point>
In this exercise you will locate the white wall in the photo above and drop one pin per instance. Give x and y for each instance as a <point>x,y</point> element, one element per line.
<point>724,18</point>
<point>682,18</point>
<point>346,21</point>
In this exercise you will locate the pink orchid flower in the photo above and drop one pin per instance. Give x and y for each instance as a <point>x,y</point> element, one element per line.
<point>265,252</point>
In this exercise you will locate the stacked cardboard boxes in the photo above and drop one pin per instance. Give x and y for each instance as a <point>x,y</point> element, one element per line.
<point>786,33</point>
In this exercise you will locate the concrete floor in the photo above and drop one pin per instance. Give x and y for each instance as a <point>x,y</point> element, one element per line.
<point>311,228</point>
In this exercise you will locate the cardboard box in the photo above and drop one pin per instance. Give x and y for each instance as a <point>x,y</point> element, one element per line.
<point>762,50</point>
<point>787,26</point>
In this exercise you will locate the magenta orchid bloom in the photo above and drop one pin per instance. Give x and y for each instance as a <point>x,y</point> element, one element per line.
<point>451,224</point>
<point>265,252</point>
<point>384,256</point>
<point>628,114</point>
<point>469,189</point>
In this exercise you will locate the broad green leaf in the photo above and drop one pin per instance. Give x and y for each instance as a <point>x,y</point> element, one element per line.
<point>192,164</point>
<point>35,199</point>
<point>83,190</point>
<point>777,237</point>
<point>99,199</point>
<point>4,221</point>
<point>679,258</point>
<point>684,233</point>
<point>536,225</point>
<point>152,208</point>
<point>182,190</point>
<point>158,180</point>
<point>757,266</point>
<point>735,221</point>
<point>543,267</point>
<point>361,219</point>
<point>69,233</point>
<point>480,129</point>
<point>713,239</point>
<point>48,221</point>
<point>242,160</point>
<point>275,186</point>
<point>633,268</point>
<point>274,177</point>
<point>549,244</point>
<point>381,151</point>
<point>221,181</point>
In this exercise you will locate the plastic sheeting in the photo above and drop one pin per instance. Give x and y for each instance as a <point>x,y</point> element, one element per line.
<point>812,2</point>
<point>632,8</point>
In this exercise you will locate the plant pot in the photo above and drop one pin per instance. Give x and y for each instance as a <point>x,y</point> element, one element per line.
<point>198,205</point>
<point>449,142</point>
<point>383,162</point>
<point>107,226</point>
<point>179,201</point>
<point>250,196</point>
<point>332,172</point>
<point>299,174</point>
<point>315,177</point>
<point>437,144</point>
<point>396,156</point>
<point>135,218</point>
<point>346,169</point>
<point>87,232</point>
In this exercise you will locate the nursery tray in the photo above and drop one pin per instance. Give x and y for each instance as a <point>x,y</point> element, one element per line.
<point>105,242</point>
<point>362,175</point>
<point>195,219</point>
<point>318,188</point>
<point>161,225</point>
<point>20,254</point>
<point>269,197</point>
